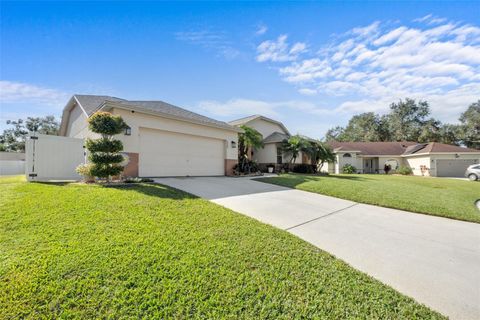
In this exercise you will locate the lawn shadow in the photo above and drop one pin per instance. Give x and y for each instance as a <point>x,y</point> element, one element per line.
<point>293,180</point>
<point>153,190</point>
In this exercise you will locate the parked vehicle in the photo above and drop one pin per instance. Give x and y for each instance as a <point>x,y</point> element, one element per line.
<point>473,172</point>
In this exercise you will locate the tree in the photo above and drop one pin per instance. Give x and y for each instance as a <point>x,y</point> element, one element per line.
<point>363,127</point>
<point>47,125</point>
<point>247,140</point>
<point>104,151</point>
<point>334,134</point>
<point>319,153</point>
<point>470,126</point>
<point>293,146</point>
<point>13,139</point>
<point>407,118</point>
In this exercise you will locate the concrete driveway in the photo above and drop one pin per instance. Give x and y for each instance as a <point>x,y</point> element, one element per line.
<point>434,260</point>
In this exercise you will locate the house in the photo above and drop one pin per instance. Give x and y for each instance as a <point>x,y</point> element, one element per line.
<point>273,133</point>
<point>161,139</point>
<point>425,159</point>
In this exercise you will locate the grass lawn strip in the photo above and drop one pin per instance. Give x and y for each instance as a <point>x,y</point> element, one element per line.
<point>86,251</point>
<point>442,197</point>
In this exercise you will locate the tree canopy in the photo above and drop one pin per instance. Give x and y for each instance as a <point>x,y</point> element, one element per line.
<point>13,139</point>
<point>410,120</point>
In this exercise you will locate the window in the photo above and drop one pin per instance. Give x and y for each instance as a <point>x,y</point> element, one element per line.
<point>128,131</point>
<point>279,156</point>
<point>347,155</point>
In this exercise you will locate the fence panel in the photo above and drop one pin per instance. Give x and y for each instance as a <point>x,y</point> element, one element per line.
<point>53,157</point>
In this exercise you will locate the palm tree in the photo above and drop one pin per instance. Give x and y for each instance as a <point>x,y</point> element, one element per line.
<point>294,145</point>
<point>248,139</point>
<point>320,153</point>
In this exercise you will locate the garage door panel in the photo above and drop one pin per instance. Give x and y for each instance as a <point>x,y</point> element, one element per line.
<point>164,153</point>
<point>453,167</point>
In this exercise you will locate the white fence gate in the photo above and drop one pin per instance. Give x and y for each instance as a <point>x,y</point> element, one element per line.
<point>53,157</point>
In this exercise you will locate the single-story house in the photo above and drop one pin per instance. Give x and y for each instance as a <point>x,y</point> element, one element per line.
<point>273,133</point>
<point>161,139</point>
<point>425,159</point>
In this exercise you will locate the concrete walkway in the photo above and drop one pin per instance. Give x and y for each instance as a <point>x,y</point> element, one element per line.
<point>434,260</point>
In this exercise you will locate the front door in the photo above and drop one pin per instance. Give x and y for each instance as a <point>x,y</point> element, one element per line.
<point>368,166</point>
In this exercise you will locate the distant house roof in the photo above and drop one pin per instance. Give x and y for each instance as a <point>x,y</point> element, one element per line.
<point>436,147</point>
<point>405,148</point>
<point>275,137</point>
<point>372,148</point>
<point>244,121</point>
<point>92,103</point>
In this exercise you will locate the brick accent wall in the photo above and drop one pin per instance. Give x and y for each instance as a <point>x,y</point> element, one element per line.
<point>229,164</point>
<point>131,169</point>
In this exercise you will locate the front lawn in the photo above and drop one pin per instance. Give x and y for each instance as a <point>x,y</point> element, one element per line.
<point>435,196</point>
<point>149,251</point>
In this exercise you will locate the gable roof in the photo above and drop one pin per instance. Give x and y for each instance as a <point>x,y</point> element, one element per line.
<point>92,103</point>
<point>372,148</point>
<point>276,137</point>
<point>404,148</point>
<point>436,147</point>
<point>243,121</point>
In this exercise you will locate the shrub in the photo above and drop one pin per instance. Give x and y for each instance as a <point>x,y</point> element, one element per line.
<point>137,180</point>
<point>85,170</point>
<point>303,168</point>
<point>104,145</point>
<point>405,170</point>
<point>104,152</point>
<point>348,168</point>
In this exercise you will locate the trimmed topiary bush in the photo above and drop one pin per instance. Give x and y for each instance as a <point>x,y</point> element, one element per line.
<point>348,168</point>
<point>104,152</point>
<point>406,171</point>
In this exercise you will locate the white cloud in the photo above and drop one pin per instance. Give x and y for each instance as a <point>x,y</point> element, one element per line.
<point>210,40</point>
<point>261,29</point>
<point>279,50</point>
<point>18,92</point>
<point>372,66</point>
<point>247,107</point>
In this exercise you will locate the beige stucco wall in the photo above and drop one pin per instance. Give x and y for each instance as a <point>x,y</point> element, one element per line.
<point>355,161</point>
<point>415,162</point>
<point>267,154</point>
<point>137,120</point>
<point>266,128</point>
<point>382,160</point>
<point>77,123</point>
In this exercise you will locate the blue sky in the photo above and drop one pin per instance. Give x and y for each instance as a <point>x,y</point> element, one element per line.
<point>311,65</point>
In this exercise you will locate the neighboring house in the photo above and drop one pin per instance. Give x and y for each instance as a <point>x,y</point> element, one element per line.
<point>161,139</point>
<point>425,159</point>
<point>12,163</point>
<point>273,133</point>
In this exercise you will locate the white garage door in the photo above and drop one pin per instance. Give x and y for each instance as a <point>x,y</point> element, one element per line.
<point>164,154</point>
<point>453,167</point>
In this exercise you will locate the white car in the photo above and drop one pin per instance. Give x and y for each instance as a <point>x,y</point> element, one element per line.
<point>473,172</point>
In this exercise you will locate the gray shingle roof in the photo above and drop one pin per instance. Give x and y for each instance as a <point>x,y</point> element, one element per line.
<point>275,137</point>
<point>92,103</point>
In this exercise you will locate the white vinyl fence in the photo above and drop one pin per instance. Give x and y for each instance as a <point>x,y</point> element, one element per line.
<point>53,157</point>
<point>12,167</point>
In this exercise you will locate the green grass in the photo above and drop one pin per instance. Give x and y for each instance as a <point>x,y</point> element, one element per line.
<point>149,251</point>
<point>434,196</point>
<point>12,179</point>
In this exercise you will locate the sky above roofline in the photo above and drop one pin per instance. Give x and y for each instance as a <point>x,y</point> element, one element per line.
<point>310,65</point>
